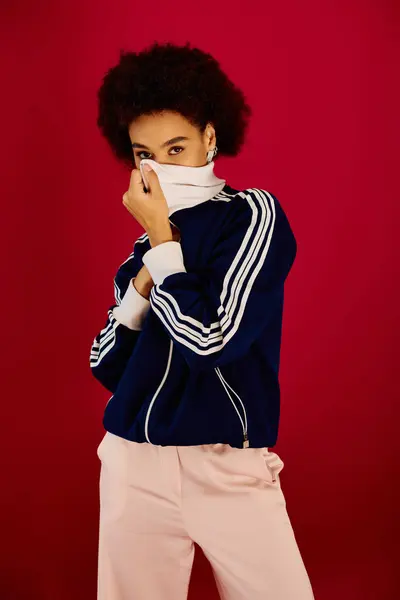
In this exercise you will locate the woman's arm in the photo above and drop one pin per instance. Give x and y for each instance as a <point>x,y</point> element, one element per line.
<point>114,344</point>
<point>214,316</point>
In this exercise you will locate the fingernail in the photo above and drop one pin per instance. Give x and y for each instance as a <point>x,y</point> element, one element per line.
<point>147,168</point>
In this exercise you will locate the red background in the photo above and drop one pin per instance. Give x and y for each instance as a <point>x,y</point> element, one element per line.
<point>320,77</point>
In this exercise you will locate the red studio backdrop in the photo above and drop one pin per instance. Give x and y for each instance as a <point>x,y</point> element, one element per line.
<point>321,79</point>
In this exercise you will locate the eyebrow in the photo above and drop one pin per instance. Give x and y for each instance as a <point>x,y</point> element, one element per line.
<point>179,138</point>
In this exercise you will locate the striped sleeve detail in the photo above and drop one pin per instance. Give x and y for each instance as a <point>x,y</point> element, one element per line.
<point>117,290</point>
<point>115,335</point>
<point>237,284</point>
<point>105,340</point>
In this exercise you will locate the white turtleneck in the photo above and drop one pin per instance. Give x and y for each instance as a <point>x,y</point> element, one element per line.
<point>182,187</point>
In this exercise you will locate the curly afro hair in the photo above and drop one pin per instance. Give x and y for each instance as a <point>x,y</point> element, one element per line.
<point>169,77</point>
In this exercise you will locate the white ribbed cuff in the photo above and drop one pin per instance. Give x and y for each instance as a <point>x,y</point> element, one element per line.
<point>133,308</point>
<point>163,260</point>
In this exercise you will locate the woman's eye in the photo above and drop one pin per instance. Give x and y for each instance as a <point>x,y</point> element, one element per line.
<point>143,152</point>
<point>139,154</point>
<point>177,147</point>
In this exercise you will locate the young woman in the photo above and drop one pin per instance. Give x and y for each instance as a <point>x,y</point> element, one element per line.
<point>190,347</point>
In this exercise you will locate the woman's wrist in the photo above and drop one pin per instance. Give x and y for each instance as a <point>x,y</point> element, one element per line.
<point>143,289</point>
<point>160,234</point>
<point>143,282</point>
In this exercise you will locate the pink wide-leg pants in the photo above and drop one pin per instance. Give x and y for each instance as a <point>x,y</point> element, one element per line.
<point>156,501</point>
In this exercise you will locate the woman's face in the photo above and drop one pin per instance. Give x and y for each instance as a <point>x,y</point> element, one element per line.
<point>154,136</point>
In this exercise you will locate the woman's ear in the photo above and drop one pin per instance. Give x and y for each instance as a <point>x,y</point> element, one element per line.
<point>210,133</point>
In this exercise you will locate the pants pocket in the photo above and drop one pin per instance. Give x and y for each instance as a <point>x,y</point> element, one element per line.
<point>113,454</point>
<point>101,445</point>
<point>272,464</point>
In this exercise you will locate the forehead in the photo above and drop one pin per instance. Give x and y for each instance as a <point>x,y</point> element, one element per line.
<point>158,127</point>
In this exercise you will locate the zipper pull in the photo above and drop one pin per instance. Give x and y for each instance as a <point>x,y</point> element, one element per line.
<point>246,442</point>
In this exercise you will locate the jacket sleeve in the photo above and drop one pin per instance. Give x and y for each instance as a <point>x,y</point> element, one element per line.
<point>113,345</point>
<point>216,314</point>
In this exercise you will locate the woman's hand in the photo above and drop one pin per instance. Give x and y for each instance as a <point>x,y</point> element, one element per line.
<point>143,281</point>
<point>151,209</point>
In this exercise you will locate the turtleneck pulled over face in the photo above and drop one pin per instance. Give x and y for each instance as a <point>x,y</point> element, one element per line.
<point>184,186</point>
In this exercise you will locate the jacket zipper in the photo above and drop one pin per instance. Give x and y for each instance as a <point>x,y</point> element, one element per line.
<point>146,426</point>
<point>246,442</point>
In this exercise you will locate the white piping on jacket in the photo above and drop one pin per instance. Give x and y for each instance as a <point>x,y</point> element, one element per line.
<point>146,426</point>
<point>244,424</point>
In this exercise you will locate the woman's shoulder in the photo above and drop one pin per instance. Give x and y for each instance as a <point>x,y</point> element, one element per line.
<point>255,209</point>
<point>250,202</point>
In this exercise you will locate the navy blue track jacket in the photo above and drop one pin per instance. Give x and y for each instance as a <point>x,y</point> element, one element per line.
<point>198,362</point>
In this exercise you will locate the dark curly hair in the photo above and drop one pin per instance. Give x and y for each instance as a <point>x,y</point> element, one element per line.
<point>169,77</point>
